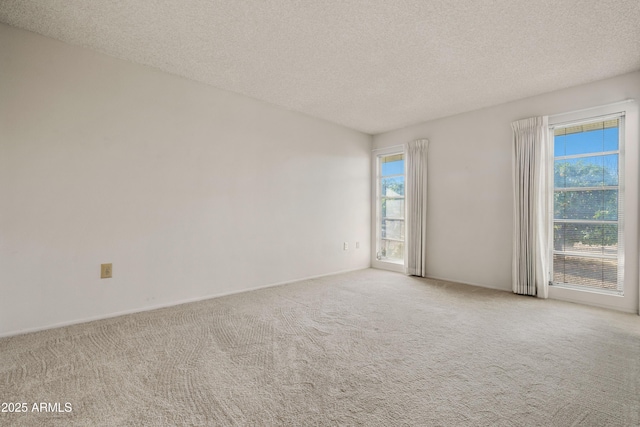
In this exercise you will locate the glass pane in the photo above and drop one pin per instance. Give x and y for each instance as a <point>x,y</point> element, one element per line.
<point>586,204</point>
<point>392,250</point>
<point>610,165</point>
<point>393,229</point>
<point>558,145</point>
<point>586,238</point>
<point>584,142</point>
<point>393,187</point>
<point>560,173</point>
<point>611,138</point>
<point>587,138</point>
<point>392,165</point>
<point>589,272</point>
<point>585,172</point>
<point>393,208</point>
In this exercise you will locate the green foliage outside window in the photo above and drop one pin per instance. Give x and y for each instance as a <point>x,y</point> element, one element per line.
<point>591,204</point>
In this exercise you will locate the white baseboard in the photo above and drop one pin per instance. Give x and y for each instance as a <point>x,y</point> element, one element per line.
<point>165,305</point>
<point>561,295</point>
<point>480,285</point>
<point>551,296</point>
<point>444,279</point>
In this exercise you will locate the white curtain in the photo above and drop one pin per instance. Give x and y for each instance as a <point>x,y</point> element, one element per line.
<point>530,248</point>
<point>416,199</point>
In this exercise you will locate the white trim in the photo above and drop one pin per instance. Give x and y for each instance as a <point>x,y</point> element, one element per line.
<point>478,285</point>
<point>628,165</point>
<point>599,110</point>
<point>375,175</point>
<point>396,149</point>
<point>587,297</point>
<point>598,291</point>
<point>169,304</point>
<point>620,188</point>
<point>458,282</point>
<point>387,265</point>
<point>604,187</point>
<point>552,294</point>
<point>393,148</point>
<point>578,116</point>
<point>586,155</point>
<point>586,121</point>
<point>585,254</point>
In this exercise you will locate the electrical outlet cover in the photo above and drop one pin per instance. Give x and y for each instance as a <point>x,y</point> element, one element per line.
<point>106,271</point>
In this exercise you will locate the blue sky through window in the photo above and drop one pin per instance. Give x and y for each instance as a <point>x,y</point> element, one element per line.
<point>393,168</point>
<point>586,142</point>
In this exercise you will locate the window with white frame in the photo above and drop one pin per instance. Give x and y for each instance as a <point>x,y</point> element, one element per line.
<point>390,223</point>
<point>588,193</point>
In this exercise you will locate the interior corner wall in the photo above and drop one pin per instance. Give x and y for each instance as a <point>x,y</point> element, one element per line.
<point>470,224</point>
<point>188,190</point>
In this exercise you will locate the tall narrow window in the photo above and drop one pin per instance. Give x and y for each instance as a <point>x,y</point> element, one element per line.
<point>390,208</point>
<point>588,249</point>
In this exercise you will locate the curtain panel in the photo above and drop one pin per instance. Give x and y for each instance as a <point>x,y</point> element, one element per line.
<point>416,210</point>
<point>530,214</point>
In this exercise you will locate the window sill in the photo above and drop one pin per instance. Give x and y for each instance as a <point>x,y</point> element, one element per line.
<point>393,261</point>
<point>609,292</point>
<point>392,265</point>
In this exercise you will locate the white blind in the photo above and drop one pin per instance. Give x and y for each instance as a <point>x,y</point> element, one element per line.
<point>588,195</point>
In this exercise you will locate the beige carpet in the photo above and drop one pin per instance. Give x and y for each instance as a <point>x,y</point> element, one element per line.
<point>364,348</point>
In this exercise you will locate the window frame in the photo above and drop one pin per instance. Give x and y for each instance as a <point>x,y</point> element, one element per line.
<point>620,187</point>
<point>376,210</point>
<point>629,175</point>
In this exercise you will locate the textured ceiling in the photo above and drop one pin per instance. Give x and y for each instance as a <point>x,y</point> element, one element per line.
<point>372,65</point>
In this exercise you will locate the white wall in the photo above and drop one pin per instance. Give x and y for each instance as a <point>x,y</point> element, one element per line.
<point>470,193</point>
<point>188,190</point>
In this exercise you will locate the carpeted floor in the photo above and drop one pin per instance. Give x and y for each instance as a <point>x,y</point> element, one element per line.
<point>363,348</point>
